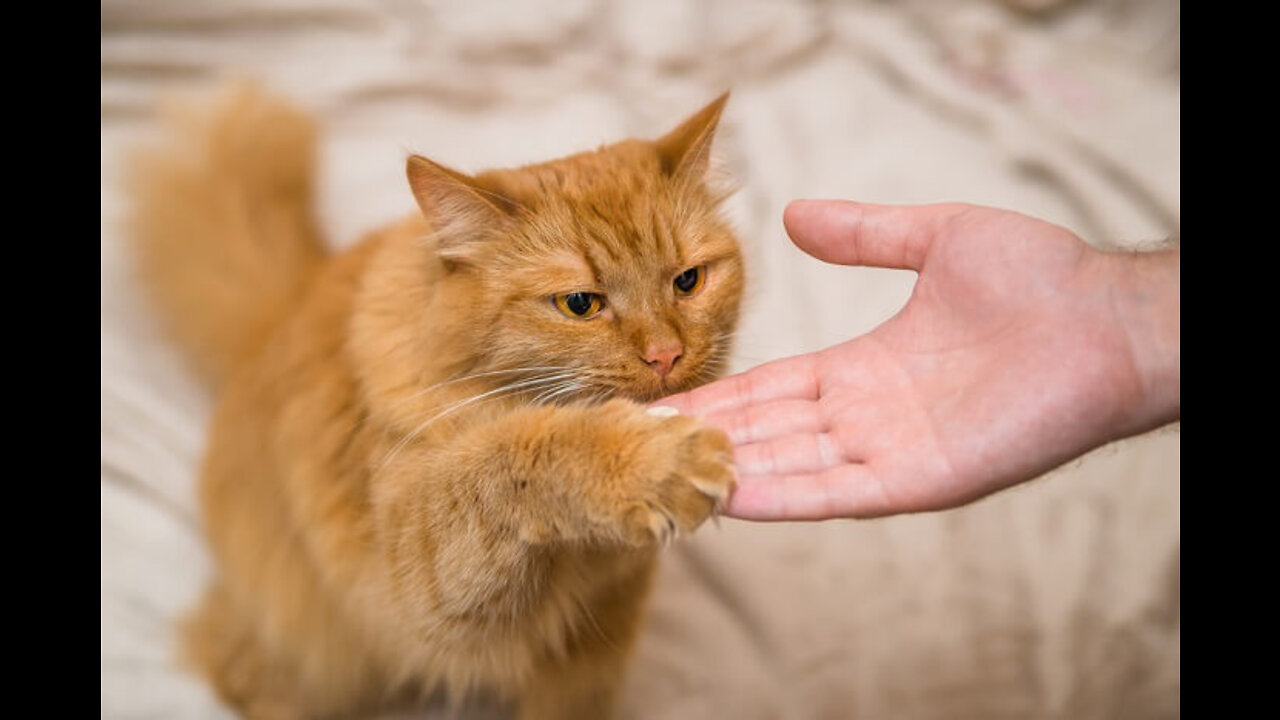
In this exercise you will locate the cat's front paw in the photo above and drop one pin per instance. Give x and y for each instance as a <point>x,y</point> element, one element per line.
<point>676,474</point>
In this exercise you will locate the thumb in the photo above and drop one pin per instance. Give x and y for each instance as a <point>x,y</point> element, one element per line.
<point>851,233</point>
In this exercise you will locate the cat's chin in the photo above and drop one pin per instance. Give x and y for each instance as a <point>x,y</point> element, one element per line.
<point>649,393</point>
<point>646,396</point>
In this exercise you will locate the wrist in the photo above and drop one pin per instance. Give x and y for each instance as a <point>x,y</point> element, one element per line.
<point>1145,294</point>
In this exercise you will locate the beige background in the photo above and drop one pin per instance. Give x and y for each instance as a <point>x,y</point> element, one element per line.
<point>1059,599</point>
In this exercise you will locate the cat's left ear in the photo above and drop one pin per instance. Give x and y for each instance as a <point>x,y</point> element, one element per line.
<point>686,151</point>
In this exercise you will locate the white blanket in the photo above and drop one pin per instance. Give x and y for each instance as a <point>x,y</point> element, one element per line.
<point>1059,599</point>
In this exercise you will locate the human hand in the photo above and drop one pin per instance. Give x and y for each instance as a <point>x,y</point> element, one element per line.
<point>1020,348</point>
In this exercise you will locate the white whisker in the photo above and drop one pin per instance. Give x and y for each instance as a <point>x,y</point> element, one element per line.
<point>474,376</point>
<point>551,392</point>
<point>509,388</point>
<point>546,398</point>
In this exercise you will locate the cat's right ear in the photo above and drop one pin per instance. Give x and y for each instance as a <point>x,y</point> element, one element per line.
<point>462,213</point>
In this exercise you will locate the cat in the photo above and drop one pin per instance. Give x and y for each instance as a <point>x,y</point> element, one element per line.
<point>431,468</point>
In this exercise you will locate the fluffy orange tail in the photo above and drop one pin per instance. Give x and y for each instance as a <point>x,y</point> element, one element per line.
<point>222,223</point>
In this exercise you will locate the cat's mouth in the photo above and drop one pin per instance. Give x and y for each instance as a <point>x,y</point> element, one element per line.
<point>641,390</point>
<point>561,384</point>
<point>647,390</point>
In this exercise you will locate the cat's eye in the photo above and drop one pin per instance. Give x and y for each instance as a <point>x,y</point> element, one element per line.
<point>579,305</point>
<point>690,281</point>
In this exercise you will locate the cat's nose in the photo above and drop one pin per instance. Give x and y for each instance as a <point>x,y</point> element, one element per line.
<point>663,357</point>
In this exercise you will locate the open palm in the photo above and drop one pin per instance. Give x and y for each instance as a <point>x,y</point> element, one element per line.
<point>1009,359</point>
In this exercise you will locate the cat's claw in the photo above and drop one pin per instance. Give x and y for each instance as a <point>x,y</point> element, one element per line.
<point>663,526</point>
<point>717,491</point>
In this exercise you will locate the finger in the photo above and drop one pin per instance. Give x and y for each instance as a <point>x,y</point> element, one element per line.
<point>789,378</point>
<point>766,421</point>
<point>848,491</point>
<point>850,233</point>
<point>789,454</point>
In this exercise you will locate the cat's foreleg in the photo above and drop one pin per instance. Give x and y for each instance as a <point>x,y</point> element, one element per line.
<point>603,475</point>
<point>511,520</point>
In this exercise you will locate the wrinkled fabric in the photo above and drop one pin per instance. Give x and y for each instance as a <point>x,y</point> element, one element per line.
<point>1057,599</point>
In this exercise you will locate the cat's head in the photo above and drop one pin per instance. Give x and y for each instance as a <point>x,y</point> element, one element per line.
<point>612,268</point>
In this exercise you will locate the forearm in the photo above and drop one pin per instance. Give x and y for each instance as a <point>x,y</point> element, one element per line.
<point>506,476</point>
<point>536,470</point>
<point>455,516</point>
<point>608,476</point>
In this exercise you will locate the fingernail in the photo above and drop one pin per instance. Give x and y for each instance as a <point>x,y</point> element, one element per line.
<point>662,411</point>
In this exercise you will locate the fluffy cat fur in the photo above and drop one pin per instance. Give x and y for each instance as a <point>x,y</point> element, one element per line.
<point>424,474</point>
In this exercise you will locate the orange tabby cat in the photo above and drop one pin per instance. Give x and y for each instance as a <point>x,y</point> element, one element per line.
<point>428,468</point>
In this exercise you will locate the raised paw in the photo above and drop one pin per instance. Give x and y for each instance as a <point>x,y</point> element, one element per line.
<point>676,473</point>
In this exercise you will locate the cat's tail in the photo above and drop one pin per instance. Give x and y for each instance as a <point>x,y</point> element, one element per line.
<point>222,222</point>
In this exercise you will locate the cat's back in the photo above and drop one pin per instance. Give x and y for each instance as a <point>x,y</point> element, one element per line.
<point>290,439</point>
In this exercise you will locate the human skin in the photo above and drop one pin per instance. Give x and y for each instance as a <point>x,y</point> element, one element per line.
<point>1020,348</point>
